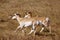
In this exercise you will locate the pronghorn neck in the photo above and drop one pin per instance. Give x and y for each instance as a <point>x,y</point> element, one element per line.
<point>18,19</point>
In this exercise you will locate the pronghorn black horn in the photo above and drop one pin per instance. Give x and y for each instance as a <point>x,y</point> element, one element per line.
<point>18,14</point>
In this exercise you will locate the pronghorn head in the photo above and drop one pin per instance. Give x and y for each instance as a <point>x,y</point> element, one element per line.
<point>15,16</point>
<point>28,15</point>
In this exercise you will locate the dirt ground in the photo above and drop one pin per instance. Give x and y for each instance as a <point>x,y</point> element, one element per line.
<point>47,8</point>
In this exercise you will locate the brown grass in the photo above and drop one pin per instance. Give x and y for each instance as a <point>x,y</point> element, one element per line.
<point>50,8</point>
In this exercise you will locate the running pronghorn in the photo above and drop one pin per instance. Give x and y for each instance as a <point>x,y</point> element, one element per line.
<point>25,22</point>
<point>45,21</point>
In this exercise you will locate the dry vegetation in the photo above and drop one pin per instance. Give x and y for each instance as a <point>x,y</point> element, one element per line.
<point>50,8</point>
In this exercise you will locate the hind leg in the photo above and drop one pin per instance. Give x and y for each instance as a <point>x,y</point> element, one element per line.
<point>42,29</point>
<point>49,29</point>
<point>30,32</point>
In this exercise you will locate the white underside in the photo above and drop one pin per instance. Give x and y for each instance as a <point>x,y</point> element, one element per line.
<point>25,24</point>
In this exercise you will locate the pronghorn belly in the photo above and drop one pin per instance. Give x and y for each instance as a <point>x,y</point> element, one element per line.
<point>27,24</point>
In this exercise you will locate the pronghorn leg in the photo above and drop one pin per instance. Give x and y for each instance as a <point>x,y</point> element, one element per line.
<point>17,28</point>
<point>50,29</point>
<point>22,31</point>
<point>33,29</point>
<point>42,29</point>
<point>30,32</point>
<point>34,32</point>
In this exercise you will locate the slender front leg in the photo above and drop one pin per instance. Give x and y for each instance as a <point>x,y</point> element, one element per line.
<point>17,28</point>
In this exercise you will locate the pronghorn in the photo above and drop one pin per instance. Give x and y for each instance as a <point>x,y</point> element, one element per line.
<point>24,22</point>
<point>45,21</point>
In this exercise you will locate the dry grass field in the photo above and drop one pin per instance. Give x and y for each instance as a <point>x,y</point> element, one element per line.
<point>48,8</point>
